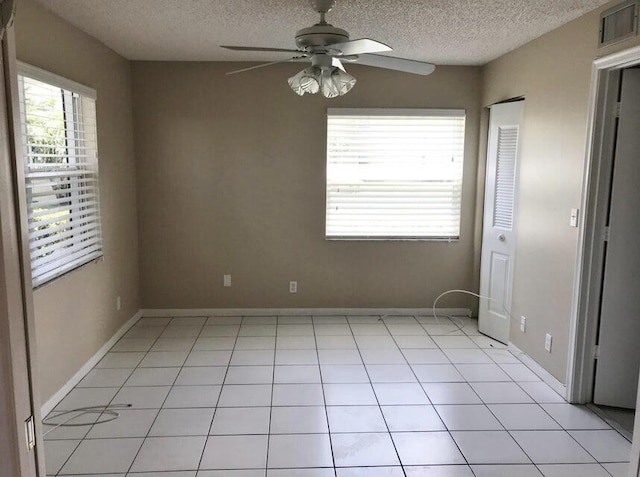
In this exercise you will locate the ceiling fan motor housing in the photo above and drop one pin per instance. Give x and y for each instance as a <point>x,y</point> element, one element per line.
<point>320,35</point>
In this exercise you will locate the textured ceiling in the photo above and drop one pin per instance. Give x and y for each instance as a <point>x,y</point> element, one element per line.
<point>453,32</point>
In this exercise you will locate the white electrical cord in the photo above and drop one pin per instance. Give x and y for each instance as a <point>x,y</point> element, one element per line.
<point>460,323</point>
<point>467,292</point>
<point>107,409</point>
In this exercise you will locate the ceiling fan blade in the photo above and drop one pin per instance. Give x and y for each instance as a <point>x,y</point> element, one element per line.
<point>397,64</point>
<point>360,47</point>
<point>337,63</point>
<point>262,65</point>
<point>259,48</point>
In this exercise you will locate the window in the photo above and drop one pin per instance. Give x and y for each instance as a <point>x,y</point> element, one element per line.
<point>61,172</point>
<point>394,174</point>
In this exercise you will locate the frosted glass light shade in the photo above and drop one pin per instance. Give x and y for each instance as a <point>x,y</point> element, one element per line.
<point>306,81</point>
<point>341,83</point>
<point>331,81</point>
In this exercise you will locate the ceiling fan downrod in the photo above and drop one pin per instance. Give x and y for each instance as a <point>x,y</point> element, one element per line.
<point>323,6</point>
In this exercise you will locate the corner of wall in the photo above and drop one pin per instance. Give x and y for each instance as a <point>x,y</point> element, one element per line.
<point>76,313</point>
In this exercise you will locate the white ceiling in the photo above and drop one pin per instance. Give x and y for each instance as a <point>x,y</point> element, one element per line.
<point>452,32</point>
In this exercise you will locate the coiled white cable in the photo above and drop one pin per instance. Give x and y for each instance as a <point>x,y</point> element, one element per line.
<point>107,409</point>
<point>467,292</point>
<point>460,323</point>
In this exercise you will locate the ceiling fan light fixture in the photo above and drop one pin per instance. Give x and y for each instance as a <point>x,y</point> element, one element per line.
<point>331,81</point>
<point>327,85</point>
<point>342,81</point>
<point>326,47</point>
<point>306,81</point>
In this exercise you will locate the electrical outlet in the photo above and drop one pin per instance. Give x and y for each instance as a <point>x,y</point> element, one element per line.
<point>547,342</point>
<point>118,304</point>
<point>293,287</point>
<point>226,280</point>
<point>523,324</point>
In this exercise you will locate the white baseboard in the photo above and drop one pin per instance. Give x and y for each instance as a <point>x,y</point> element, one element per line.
<point>54,400</point>
<point>542,373</point>
<point>159,312</point>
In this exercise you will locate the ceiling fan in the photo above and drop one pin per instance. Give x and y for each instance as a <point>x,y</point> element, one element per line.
<point>327,48</point>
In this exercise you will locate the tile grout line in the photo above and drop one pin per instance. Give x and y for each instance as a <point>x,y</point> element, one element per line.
<point>366,370</point>
<point>534,399</point>
<point>510,435</point>
<point>486,406</point>
<point>324,398</point>
<point>273,379</point>
<point>170,389</point>
<point>535,402</point>
<point>172,386</point>
<point>595,461</point>
<point>224,378</point>
<point>116,393</point>
<point>509,431</point>
<point>427,394</point>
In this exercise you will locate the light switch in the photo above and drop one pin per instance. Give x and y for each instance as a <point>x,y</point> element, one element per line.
<point>575,213</point>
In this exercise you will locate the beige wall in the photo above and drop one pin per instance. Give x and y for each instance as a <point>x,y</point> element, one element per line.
<point>76,314</point>
<point>231,180</point>
<point>553,73</point>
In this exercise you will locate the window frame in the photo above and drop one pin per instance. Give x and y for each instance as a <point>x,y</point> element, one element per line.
<point>408,113</point>
<point>81,155</point>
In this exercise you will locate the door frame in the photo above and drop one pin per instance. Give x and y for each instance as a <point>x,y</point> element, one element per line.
<point>589,263</point>
<point>19,395</point>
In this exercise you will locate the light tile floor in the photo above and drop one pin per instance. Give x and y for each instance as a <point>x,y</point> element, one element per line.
<point>325,396</point>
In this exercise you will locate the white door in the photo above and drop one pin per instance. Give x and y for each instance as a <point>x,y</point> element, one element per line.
<point>616,381</point>
<point>498,236</point>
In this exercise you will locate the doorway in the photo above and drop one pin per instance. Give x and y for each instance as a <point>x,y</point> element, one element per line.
<point>605,359</point>
<point>617,351</point>
<point>21,444</point>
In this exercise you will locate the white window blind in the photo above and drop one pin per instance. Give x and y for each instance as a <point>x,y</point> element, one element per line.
<point>61,173</point>
<point>394,174</point>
